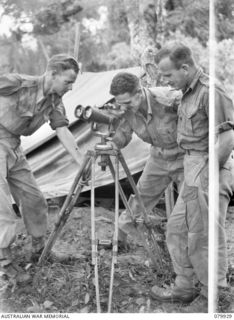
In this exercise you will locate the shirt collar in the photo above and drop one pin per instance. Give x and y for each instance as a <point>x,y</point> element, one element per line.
<point>40,92</point>
<point>146,101</point>
<point>194,81</point>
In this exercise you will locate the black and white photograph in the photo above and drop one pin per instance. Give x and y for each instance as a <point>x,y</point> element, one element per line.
<point>116,158</point>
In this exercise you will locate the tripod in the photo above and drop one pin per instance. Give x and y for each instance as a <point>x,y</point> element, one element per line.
<point>104,151</point>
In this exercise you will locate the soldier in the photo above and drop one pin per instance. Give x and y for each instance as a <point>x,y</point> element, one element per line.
<point>224,119</point>
<point>152,115</point>
<point>26,103</point>
<point>187,229</point>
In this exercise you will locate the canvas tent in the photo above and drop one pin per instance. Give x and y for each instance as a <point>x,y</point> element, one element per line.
<point>52,166</point>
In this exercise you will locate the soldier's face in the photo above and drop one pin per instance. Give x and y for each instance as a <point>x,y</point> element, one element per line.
<point>176,78</point>
<point>62,82</point>
<point>128,101</point>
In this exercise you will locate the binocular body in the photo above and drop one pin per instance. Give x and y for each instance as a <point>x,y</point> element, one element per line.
<point>92,114</point>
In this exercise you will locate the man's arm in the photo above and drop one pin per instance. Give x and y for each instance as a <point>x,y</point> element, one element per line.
<point>166,96</point>
<point>224,146</point>
<point>123,134</point>
<point>68,141</point>
<point>224,118</point>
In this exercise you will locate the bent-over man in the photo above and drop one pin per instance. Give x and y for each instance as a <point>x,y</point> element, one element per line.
<point>152,115</point>
<point>26,103</point>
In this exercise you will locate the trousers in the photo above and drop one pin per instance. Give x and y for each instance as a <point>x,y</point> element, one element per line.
<point>226,189</point>
<point>160,170</point>
<point>16,179</point>
<point>187,228</point>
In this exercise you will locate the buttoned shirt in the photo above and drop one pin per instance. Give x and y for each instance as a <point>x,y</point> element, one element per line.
<point>158,127</point>
<point>24,107</point>
<point>193,115</point>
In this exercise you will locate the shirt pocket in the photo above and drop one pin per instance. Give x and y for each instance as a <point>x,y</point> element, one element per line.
<point>194,123</point>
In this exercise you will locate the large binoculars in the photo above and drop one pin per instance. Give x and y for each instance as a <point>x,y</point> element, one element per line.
<point>92,114</point>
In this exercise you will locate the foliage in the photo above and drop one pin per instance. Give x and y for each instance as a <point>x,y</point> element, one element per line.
<point>224,19</point>
<point>119,56</point>
<point>49,19</point>
<point>190,17</point>
<point>225,64</point>
<point>105,40</point>
<point>118,22</point>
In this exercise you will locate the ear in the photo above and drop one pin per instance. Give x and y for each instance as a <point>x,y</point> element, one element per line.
<point>53,73</point>
<point>185,67</point>
<point>139,90</point>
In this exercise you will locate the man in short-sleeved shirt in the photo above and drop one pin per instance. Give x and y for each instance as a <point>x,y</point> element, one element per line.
<point>224,121</point>
<point>187,228</point>
<point>26,103</point>
<point>187,233</point>
<point>152,115</point>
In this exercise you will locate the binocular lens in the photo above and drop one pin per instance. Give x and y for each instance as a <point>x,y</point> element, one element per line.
<point>79,111</point>
<point>87,112</point>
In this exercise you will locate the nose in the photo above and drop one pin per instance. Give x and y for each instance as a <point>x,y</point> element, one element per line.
<point>123,107</point>
<point>69,87</point>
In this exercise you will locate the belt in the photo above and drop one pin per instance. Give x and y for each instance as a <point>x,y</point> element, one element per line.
<point>195,152</point>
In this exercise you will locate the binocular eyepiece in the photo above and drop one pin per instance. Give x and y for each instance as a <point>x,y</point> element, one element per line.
<point>91,114</point>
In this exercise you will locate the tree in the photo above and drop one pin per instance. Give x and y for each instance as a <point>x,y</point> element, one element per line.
<point>225,64</point>
<point>224,19</point>
<point>190,17</point>
<point>114,33</point>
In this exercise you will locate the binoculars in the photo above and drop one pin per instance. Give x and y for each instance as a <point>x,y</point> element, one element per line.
<point>92,114</point>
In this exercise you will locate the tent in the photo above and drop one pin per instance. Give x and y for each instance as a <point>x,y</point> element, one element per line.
<point>52,166</point>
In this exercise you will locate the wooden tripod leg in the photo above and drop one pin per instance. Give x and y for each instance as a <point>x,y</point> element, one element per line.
<point>94,241</point>
<point>67,207</point>
<point>147,220</point>
<point>156,260</point>
<point>115,236</point>
<point>141,232</point>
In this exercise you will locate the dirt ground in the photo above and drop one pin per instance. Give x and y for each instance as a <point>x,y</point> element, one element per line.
<point>69,287</point>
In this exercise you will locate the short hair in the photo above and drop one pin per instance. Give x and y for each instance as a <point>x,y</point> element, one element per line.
<point>124,82</point>
<point>178,53</point>
<point>62,62</point>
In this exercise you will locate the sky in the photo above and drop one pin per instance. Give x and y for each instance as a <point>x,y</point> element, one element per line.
<point>6,23</point>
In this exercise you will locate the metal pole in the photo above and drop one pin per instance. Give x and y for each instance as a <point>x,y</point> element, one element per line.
<point>134,187</point>
<point>115,237</point>
<point>93,236</point>
<point>141,232</point>
<point>77,40</point>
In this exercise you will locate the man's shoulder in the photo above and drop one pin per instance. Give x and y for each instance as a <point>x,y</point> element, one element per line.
<point>204,79</point>
<point>12,82</point>
<point>221,92</point>
<point>165,95</point>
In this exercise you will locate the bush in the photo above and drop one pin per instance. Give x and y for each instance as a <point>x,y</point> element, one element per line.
<point>225,64</point>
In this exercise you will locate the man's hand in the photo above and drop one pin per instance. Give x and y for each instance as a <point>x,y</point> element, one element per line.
<point>68,141</point>
<point>114,110</point>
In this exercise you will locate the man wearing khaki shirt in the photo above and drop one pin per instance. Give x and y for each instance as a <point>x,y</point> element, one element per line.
<point>26,103</point>
<point>187,229</point>
<point>152,115</point>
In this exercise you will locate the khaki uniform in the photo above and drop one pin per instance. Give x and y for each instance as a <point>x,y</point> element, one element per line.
<point>23,109</point>
<point>165,163</point>
<point>187,229</point>
<point>224,118</point>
